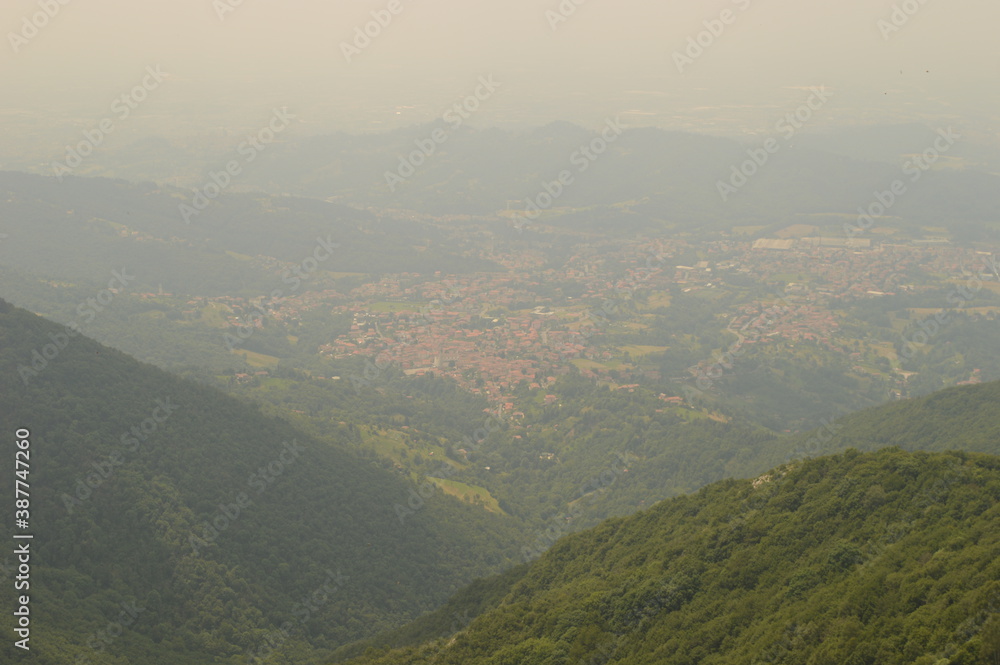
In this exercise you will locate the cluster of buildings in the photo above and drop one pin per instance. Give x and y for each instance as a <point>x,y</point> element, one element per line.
<point>490,331</point>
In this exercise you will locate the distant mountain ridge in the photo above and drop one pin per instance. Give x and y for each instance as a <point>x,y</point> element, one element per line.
<point>664,176</point>
<point>230,248</point>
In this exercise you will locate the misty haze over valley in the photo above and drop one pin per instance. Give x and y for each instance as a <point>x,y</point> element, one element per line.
<point>544,332</point>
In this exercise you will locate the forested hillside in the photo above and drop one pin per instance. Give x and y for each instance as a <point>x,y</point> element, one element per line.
<point>107,224</point>
<point>521,333</point>
<point>961,418</point>
<point>217,525</point>
<point>889,557</point>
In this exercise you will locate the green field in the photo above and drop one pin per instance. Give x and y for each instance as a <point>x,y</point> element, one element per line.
<point>468,493</point>
<point>258,359</point>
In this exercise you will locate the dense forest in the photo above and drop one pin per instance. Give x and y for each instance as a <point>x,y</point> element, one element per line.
<point>219,521</point>
<point>500,333</point>
<point>170,496</point>
<point>888,557</point>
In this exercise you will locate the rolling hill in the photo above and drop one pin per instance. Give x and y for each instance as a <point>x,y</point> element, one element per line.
<point>664,176</point>
<point>888,557</point>
<point>227,532</point>
<point>102,225</point>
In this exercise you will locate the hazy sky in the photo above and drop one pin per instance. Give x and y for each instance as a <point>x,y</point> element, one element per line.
<point>607,58</point>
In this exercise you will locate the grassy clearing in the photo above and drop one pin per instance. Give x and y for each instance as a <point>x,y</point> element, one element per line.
<point>258,359</point>
<point>639,351</point>
<point>469,494</point>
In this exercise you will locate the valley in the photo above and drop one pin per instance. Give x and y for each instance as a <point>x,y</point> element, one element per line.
<point>478,333</point>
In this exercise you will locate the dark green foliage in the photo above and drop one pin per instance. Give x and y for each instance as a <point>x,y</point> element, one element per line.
<point>156,517</point>
<point>966,418</point>
<point>805,565</point>
<point>456,615</point>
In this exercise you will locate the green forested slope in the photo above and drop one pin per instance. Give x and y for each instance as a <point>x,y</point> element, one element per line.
<point>455,615</point>
<point>959,418</point>
<point>888,557</point>
<point>104,224</point>
<point>219,524</point>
